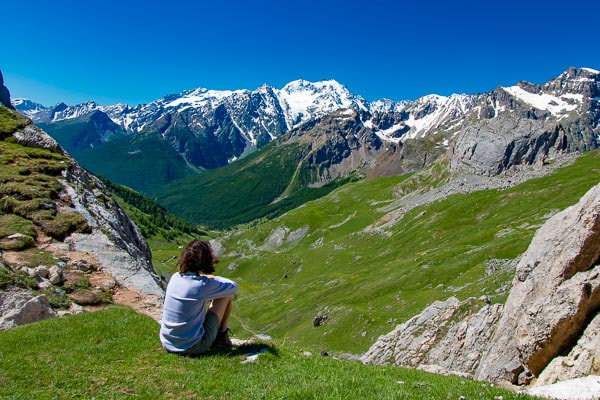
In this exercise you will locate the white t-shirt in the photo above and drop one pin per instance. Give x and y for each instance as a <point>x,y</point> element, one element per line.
<point>186,304</point>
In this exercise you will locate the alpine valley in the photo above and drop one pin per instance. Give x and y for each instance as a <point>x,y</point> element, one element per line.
<point>455,235</point>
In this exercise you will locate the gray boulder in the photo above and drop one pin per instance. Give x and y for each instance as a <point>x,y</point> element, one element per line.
<point>583,359</point>
<point>554,295</point>
<point>55,275</point>
<point>20,307</point>
<point>439,339</point>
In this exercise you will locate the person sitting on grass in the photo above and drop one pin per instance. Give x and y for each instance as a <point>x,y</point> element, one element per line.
<point>190,326</point>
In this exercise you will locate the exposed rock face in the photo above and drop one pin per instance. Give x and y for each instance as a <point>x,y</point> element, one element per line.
<point>20,307</point>
<point>583,359</point>
<point>528,123</point>
<point>492,146</point>
<point>586,388</point>
<point>32,136</point>
<point>555,293</point>
<point>439,337</point>
<point>552,310</point>
<point>4,94</point>
<point>115,241</point>
<point>342,143</point>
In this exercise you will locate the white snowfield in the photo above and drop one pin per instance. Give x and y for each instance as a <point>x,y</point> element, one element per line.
<point>593,71</point>
<point>544,101</point>
<point>303,100</point>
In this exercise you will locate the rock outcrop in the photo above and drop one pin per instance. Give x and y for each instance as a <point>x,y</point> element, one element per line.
<point>528,124</point>
<point>4,93</point>
<point>492,146</point>
<point>548,327</point>
<point>583,359</point>
<point>440,336</point>
<point>115,241</point>
<point>554,295</point>
<point>585,388</point>
<point>21,306</point>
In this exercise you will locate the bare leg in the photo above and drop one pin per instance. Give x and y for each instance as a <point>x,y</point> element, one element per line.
<point>222,307</point>
<point>226,314</point>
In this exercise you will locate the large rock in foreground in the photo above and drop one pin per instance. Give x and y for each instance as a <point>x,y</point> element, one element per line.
<point>548,328</point>
<point>554,295</point>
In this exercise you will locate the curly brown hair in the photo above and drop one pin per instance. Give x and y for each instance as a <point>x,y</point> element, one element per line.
<point>197,257</point>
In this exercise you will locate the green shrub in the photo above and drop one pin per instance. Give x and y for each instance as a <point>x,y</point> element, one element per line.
<point>16,243</point>
<point>10,224</point>
<point>10,121</point>
<point>18,278</point>
<point>64,224</point>
<point>91,297</point>
<point>57,299</point>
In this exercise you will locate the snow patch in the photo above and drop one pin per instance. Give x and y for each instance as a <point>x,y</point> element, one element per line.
<point>385,134</point>
<point>541,101</point>
<point>593,71</point>
<point>303,100</point>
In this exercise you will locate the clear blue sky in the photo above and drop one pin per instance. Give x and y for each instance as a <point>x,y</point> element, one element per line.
<point>137,51</point>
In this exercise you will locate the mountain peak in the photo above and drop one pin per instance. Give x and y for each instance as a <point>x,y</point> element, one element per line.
<point>302,84</point>
<point>590,70</point>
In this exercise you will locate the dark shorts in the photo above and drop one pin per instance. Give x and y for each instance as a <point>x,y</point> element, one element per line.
<point>211,328</point>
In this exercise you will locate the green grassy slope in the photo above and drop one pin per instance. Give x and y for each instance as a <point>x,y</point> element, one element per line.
<point>10,121</point>
<point>115,353</point>
<point>29,185</point>
<point>367,283</point>
<point>142,163</point>
<point>244,190</point>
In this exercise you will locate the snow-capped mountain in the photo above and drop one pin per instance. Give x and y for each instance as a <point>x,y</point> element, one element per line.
<point>397,122</point>
<point>303,100</point>
<point>528,123</point>
<point>210,128</point>
<point>258,116</point>
<point>27,107</point>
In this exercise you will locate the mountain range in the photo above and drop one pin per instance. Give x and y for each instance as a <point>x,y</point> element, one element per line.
<point>319,134</point>
<point>211,128</point>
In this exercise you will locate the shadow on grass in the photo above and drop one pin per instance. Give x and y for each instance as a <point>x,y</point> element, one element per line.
<point>241,350</point>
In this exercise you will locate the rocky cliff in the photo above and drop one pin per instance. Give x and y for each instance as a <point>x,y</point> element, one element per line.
<point>529,123</point>
<point>546,330</point>
<point>4,93</point>
<point>64,240</point>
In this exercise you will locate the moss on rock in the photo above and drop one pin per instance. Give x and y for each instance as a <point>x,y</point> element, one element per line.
<point>64,224</point>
